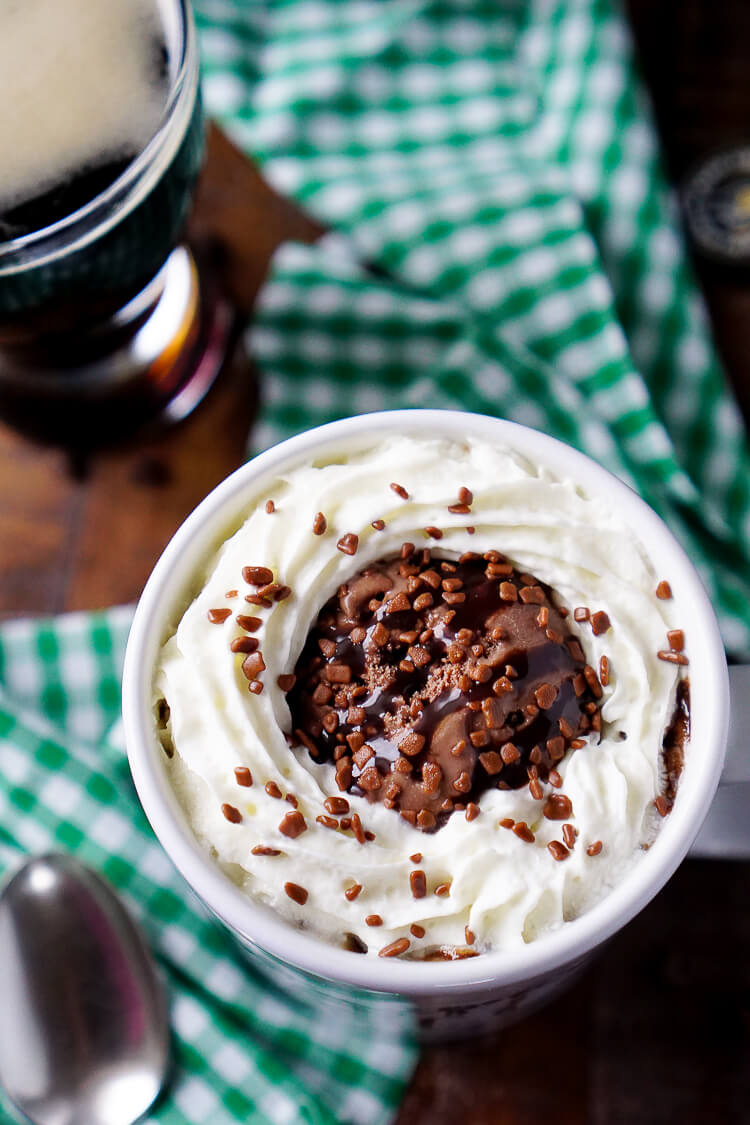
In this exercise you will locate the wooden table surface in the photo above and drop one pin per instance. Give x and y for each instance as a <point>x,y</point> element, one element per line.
<point>659,1029</point>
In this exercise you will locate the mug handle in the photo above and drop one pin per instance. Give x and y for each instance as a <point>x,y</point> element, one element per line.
<point>726,830</point>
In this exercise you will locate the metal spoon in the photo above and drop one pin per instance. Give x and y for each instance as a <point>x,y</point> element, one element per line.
<point>84,1034</point>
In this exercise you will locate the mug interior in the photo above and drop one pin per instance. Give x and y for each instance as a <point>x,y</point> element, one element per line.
<point>170,590</point>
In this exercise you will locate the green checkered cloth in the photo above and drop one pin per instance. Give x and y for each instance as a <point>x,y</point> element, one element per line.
<point>504,241</point>
<point>244,1050</point>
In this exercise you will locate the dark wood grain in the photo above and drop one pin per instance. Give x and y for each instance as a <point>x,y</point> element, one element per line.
<point>68,542</point>
<point>659,1029</point>
<point>657,1032</point>
<point>40,510</point>
<point>694,58</point>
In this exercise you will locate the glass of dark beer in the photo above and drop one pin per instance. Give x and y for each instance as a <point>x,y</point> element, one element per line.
<point>105,321</point>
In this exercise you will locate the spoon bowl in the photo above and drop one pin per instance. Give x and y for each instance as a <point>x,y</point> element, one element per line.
<point>84,1033</point>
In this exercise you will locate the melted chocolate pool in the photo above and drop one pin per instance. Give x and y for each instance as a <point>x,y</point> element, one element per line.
<point>428,681</point>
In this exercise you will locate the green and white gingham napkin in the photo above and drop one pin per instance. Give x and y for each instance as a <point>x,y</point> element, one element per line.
<point>503,242</point>
<point>244,1049</point>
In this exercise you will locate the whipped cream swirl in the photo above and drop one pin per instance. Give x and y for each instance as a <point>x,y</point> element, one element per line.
<point>502,887</point>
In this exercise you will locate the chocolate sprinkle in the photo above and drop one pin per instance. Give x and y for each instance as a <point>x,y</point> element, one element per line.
<point>232,814</point>
<point>523,831</point>
<point>244,645</point>
<point>357,829</point>
<point>348,543</point>
<point>558,807</point>
<point>336,806</point>
<point>293,825</point>
<point>676,640</point>
<point>253,665</point>
<point>418,884</point>
<point>296,893</point>
<point>249,624</point>
<point>600,623</point>
<point>397,947</point>
<point>604,671</point>
<point>257,575</point>
<point>218,616</point>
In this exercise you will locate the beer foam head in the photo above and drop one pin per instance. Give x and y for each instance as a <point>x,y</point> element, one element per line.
<point>79,85</point>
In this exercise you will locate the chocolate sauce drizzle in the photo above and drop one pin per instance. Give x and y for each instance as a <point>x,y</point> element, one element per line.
<point>428,681</point>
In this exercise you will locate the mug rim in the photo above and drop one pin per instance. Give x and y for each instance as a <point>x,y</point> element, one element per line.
<point>256,924</point>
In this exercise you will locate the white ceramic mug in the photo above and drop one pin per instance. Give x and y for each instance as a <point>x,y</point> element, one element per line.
<point>464,997</point>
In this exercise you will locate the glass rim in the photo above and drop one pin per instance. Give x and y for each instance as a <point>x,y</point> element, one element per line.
<point>86,223</point>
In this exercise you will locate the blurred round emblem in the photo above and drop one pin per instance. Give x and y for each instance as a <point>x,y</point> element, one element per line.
<point>716,201</point>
